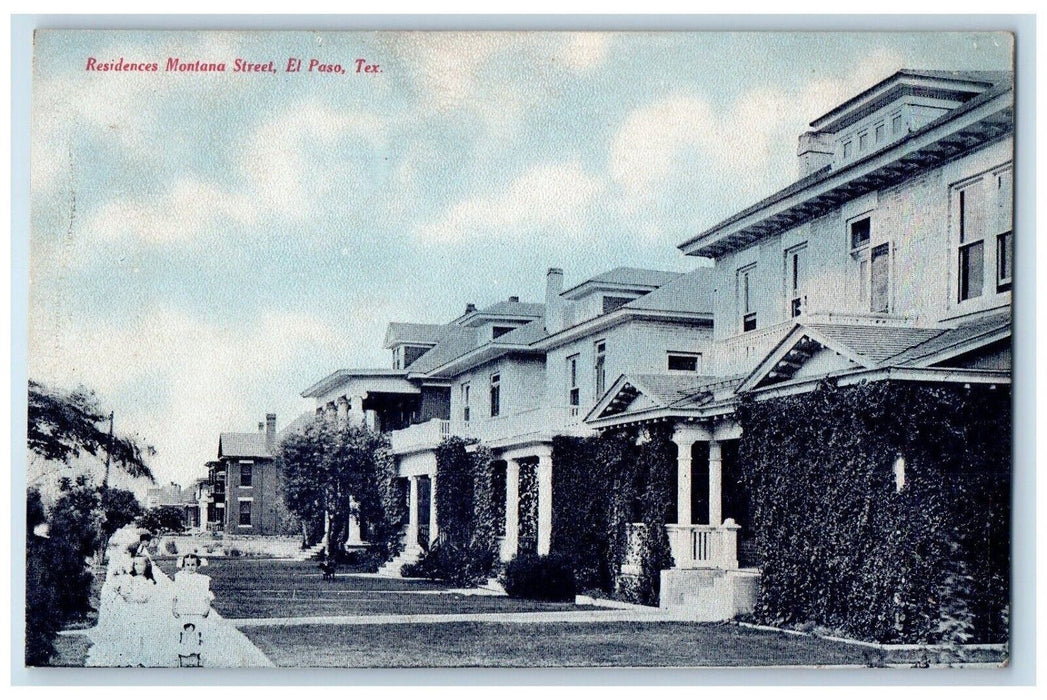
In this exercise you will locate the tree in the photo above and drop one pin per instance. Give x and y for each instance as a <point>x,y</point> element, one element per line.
<point>163,519</point>
<point>331,470</point>
<point>41,623</point>
<point>75,535</point>
<point>119,507</point>
<point>63,426</point>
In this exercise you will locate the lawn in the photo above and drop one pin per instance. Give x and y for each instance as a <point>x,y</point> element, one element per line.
<point>666,644</point>
<point>253,588</point>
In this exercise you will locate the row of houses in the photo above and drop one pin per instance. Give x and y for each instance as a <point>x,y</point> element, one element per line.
<point>889,258</point>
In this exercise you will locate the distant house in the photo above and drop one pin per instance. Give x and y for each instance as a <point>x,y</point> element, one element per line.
<point>243,497</point>
<point>173,495</point>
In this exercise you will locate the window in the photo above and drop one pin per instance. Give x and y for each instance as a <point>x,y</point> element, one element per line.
<point>245,512</point>
<point>880,268</point>
<point>863,141</point>
<point>971,222</point>
<point>846,150</point>
<point>245,475</point>
<point>573,397</point>
<point>600,368</point>
<point>881,133</point>
<point>860,233</point>
<point>1004,261</point>
<point>897,125</point>
<point>496,395</point>
<point>412,353</point>
<point>685,362</point>
<point>612,303</point>
<point>498,331</point>
<point>1004,231</point>
<point>745,298</point>
<point>465,402</point>
<point>795,274</point>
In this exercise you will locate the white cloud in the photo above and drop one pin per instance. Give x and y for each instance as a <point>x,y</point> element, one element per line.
<point>553,195</point>
<point>585,51</point>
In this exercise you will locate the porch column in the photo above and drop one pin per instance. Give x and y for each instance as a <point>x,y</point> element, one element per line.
<point>511,544</point>
<point>342,405</point>
<point>356,409</point>
<point>412,514</point>
<point>433,527</point>
<point>715,483</point>
<point>354,524</point>
<point>545,501</point>
<point>684,443</point>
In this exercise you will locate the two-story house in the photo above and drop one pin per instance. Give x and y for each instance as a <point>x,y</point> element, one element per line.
<point>516,374</point>
<point>890,257</point>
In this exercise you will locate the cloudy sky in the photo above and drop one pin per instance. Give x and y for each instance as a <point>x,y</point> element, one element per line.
<point>206,246</point>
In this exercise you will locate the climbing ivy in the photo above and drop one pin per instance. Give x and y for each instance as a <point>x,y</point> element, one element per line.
<point>844,548</point>
<point>600,486</point>
<point>465,552</point>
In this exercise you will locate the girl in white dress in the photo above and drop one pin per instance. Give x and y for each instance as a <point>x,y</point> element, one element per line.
<point>191,605</point>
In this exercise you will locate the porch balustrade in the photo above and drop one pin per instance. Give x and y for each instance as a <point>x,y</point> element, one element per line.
<point>704,546</point>
<point>546,419</point>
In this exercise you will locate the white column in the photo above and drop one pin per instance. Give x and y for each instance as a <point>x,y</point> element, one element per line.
<point>511,544</point>
<point>354,524</point>
<point>684,443</point>
<point>356,409</point>
<point>342,404</point>
<point>545,501</point>
<point>433,526</point>
<point>715,483</point>
<point>412,522</point>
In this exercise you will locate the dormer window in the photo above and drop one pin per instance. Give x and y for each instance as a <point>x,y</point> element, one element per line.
<point>689,362</point>
<point>612,303</point>
<point>499,331</point>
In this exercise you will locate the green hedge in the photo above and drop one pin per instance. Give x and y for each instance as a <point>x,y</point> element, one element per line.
<point>843,548</point>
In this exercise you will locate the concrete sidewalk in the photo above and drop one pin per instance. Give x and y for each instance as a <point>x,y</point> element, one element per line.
<point>574,616</point>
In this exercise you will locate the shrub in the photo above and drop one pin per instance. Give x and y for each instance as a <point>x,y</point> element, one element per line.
<point>539,578</point>
<point>170,547</point>
<point>461,566</point>
<point>234,552</point>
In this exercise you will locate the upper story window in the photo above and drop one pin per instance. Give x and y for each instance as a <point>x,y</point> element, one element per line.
<point>496,395</point>
<point>881,133</point>
<point>847,148</point>
<point>612,303</point>
<point>983,229</point>
<point>795,279</point>
<point>897,125</point>
<point>971,231</point>
<point>880,279</point>
<point>863,141</point>
<point>465,401</point>
<point>498,331</point>
<point>573,394</point>
<point>600,367</point>
<point>1004,230</point>
<point>684,362</point>
<point>861,230</point>
<point>245,474</point>
<point>745,297</point>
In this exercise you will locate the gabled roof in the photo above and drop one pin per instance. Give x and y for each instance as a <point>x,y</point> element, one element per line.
<point>663,390</point>
<point>872,347</point>
<point>243,445</point>
<point>413,333</point>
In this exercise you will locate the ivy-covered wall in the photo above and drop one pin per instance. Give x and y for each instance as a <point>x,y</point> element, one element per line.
<point>600,486</point>
<point>844,548</point>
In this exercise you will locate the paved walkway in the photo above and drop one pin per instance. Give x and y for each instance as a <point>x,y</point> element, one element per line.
<point>572,616</point>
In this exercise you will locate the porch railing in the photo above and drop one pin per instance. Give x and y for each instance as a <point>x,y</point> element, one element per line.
<point>704,546</point>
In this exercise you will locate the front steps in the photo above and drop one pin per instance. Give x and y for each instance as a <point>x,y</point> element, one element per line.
<point>307,554</point>
<point>391,569</point>
<point>708,595</point>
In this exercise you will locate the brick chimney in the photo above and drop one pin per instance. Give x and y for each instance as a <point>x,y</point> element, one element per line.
<point>470,307</point>
<point>553,302</point>
<point>515,300</point>
<point>270,431</point>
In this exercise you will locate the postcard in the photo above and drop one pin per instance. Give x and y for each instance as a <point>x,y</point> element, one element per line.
<point>520,349</point>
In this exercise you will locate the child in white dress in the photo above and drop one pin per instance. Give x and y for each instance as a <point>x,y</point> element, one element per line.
<point>191,606</point>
